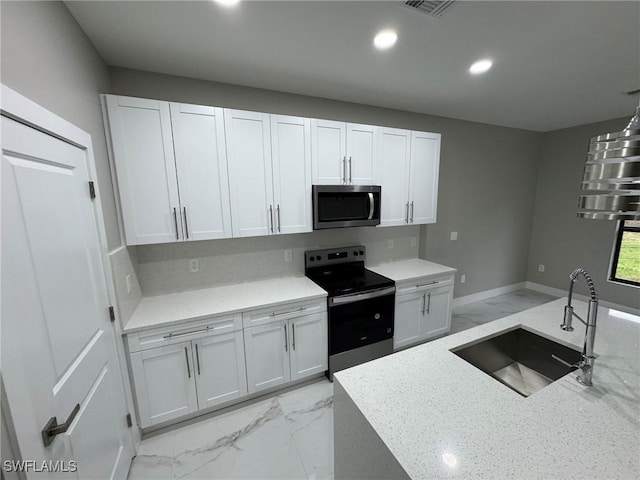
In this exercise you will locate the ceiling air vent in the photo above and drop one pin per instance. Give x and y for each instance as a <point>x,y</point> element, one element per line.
<point>433,9</point>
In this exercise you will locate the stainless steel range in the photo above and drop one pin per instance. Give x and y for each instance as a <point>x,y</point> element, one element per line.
<point>360,305</point>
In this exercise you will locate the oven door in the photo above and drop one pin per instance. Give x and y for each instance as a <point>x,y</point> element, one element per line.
<point>336,206</point>
<point>360,319</point>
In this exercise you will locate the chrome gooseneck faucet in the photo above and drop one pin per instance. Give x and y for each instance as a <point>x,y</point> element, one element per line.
<point>587,352</point>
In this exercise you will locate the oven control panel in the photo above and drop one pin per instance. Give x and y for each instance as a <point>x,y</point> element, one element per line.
<point>333,256</point>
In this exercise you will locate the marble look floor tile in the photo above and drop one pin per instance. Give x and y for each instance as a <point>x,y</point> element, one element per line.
<point>309,415</point>
<point>154,459</point>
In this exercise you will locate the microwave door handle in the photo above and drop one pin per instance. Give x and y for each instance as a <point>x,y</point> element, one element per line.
<point>372,205</point>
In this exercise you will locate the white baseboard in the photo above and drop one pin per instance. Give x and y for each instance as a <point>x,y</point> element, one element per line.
<point>476,297</point>
<point>563,293</point>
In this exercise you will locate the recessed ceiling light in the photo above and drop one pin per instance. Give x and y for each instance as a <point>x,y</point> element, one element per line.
<point>385,39</point>
<point>480,66</point>
<point>228,3</point>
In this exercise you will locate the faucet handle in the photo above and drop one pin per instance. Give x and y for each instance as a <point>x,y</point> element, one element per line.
<point>574,365</point>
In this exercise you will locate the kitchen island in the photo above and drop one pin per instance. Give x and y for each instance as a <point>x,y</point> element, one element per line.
<point>426,413</point>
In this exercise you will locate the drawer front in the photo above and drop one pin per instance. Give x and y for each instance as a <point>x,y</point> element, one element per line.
<point>187,331</point>
<point>263,316</point>
<point>425,283</point>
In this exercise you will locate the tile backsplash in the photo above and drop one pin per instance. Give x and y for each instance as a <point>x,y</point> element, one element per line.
<point>165,268</point>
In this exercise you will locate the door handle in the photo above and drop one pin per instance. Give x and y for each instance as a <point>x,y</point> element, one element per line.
<point>372,204</point>
<point>411,212</point>
<point>406,212</point>
<point>271,216</point>
<point>286,341</point>
<point>186,356</point>
<point>175,221</point>
<point>350,171</point>
<point>344,170</point>
<point>278,217</point>
<point>186,225</point>
<point>293,334</point>
<point>424,303</point>
<point>429,304</point>
<point>198,358</point>
<point>51,429</point>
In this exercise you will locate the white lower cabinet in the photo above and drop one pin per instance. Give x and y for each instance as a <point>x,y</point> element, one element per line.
<point>181,378</point>
<point>423,310</point>
<point>285,350</point>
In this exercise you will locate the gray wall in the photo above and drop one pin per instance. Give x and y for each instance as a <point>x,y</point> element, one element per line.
<point>486,191</point>
<point>561,241</point>
<point>47,58</point>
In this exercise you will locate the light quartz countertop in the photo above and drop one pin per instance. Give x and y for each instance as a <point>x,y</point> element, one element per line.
<point>410,269</point>
<point>441,417</point>
<point>175,308</point>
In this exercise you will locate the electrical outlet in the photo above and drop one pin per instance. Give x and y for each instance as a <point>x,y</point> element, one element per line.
<point>541,268</point>
<point>463,278</point>
<point>390,243</point>
<point>414,241</point>
<point>127,281</point>
<point>454,235</point>
<point>288,255</point>
<point>194,265</point>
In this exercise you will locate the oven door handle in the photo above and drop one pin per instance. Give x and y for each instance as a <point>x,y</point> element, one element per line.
<point>356,297</point>
<point>371,205</point>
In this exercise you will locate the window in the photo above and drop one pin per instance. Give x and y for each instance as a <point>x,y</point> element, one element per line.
<point>625,266</point>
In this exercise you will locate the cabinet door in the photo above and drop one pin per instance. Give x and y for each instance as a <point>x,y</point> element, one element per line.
<point>267,354</point>
<point>438,312</point>
<point>309,346</point>
<point>164,380</point>
<point>291,160</point>
<point>220,368</point>
<point>201,163</point>
<point>142,148</point>
<point>362,154</point>
<point>408,318</point>
<point>425,163</point>
<point>393,149</point>
<point>328,152</point>
<point>250,183</point>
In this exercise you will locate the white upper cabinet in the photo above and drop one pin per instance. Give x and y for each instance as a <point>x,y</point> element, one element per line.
<point>250,182</point>
<point>201,164</point>
<point>343,153</point>
<point>423,187</point>
<point>141,140</point>
<point>291,160</point>
<point>171,166</point>
<point>409,166</point>
<point>394,149</point>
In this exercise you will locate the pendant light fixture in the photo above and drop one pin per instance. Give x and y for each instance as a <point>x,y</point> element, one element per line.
<point>611,181</point>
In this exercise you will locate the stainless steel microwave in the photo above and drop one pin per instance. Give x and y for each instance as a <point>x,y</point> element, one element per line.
<point>337,206</point>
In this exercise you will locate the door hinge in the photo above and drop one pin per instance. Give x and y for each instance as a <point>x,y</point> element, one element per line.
<point>129,422</point>
<point>92,190</point>
<point>112,314</point>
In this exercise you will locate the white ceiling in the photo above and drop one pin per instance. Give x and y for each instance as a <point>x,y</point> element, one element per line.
<point>556,64</point>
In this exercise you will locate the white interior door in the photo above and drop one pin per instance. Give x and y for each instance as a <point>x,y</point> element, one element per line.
<point>57,340</point>
<point>201,163</point>
<point>393,148</point>
<point>291,159</point>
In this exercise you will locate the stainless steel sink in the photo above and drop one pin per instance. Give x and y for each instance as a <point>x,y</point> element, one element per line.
<point>520,359</point>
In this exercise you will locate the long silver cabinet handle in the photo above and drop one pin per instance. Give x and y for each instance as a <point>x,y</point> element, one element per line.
<point>429,304</point>
<point>186,225</point>
<point>174,335</point>
<point>293,334</point>
<point>411,212</point>
<point>271,216</point>
<point>175,221</point>
<point>198,358</point>
<point>278,217</point>
<point>426,283</point>
<point>286,341</point>
<point>350,180</point>
<point>344,170</point>
<point>424,303</point>
<point>406,212</point>
<point>186,356</point>
<point>287,313</point>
